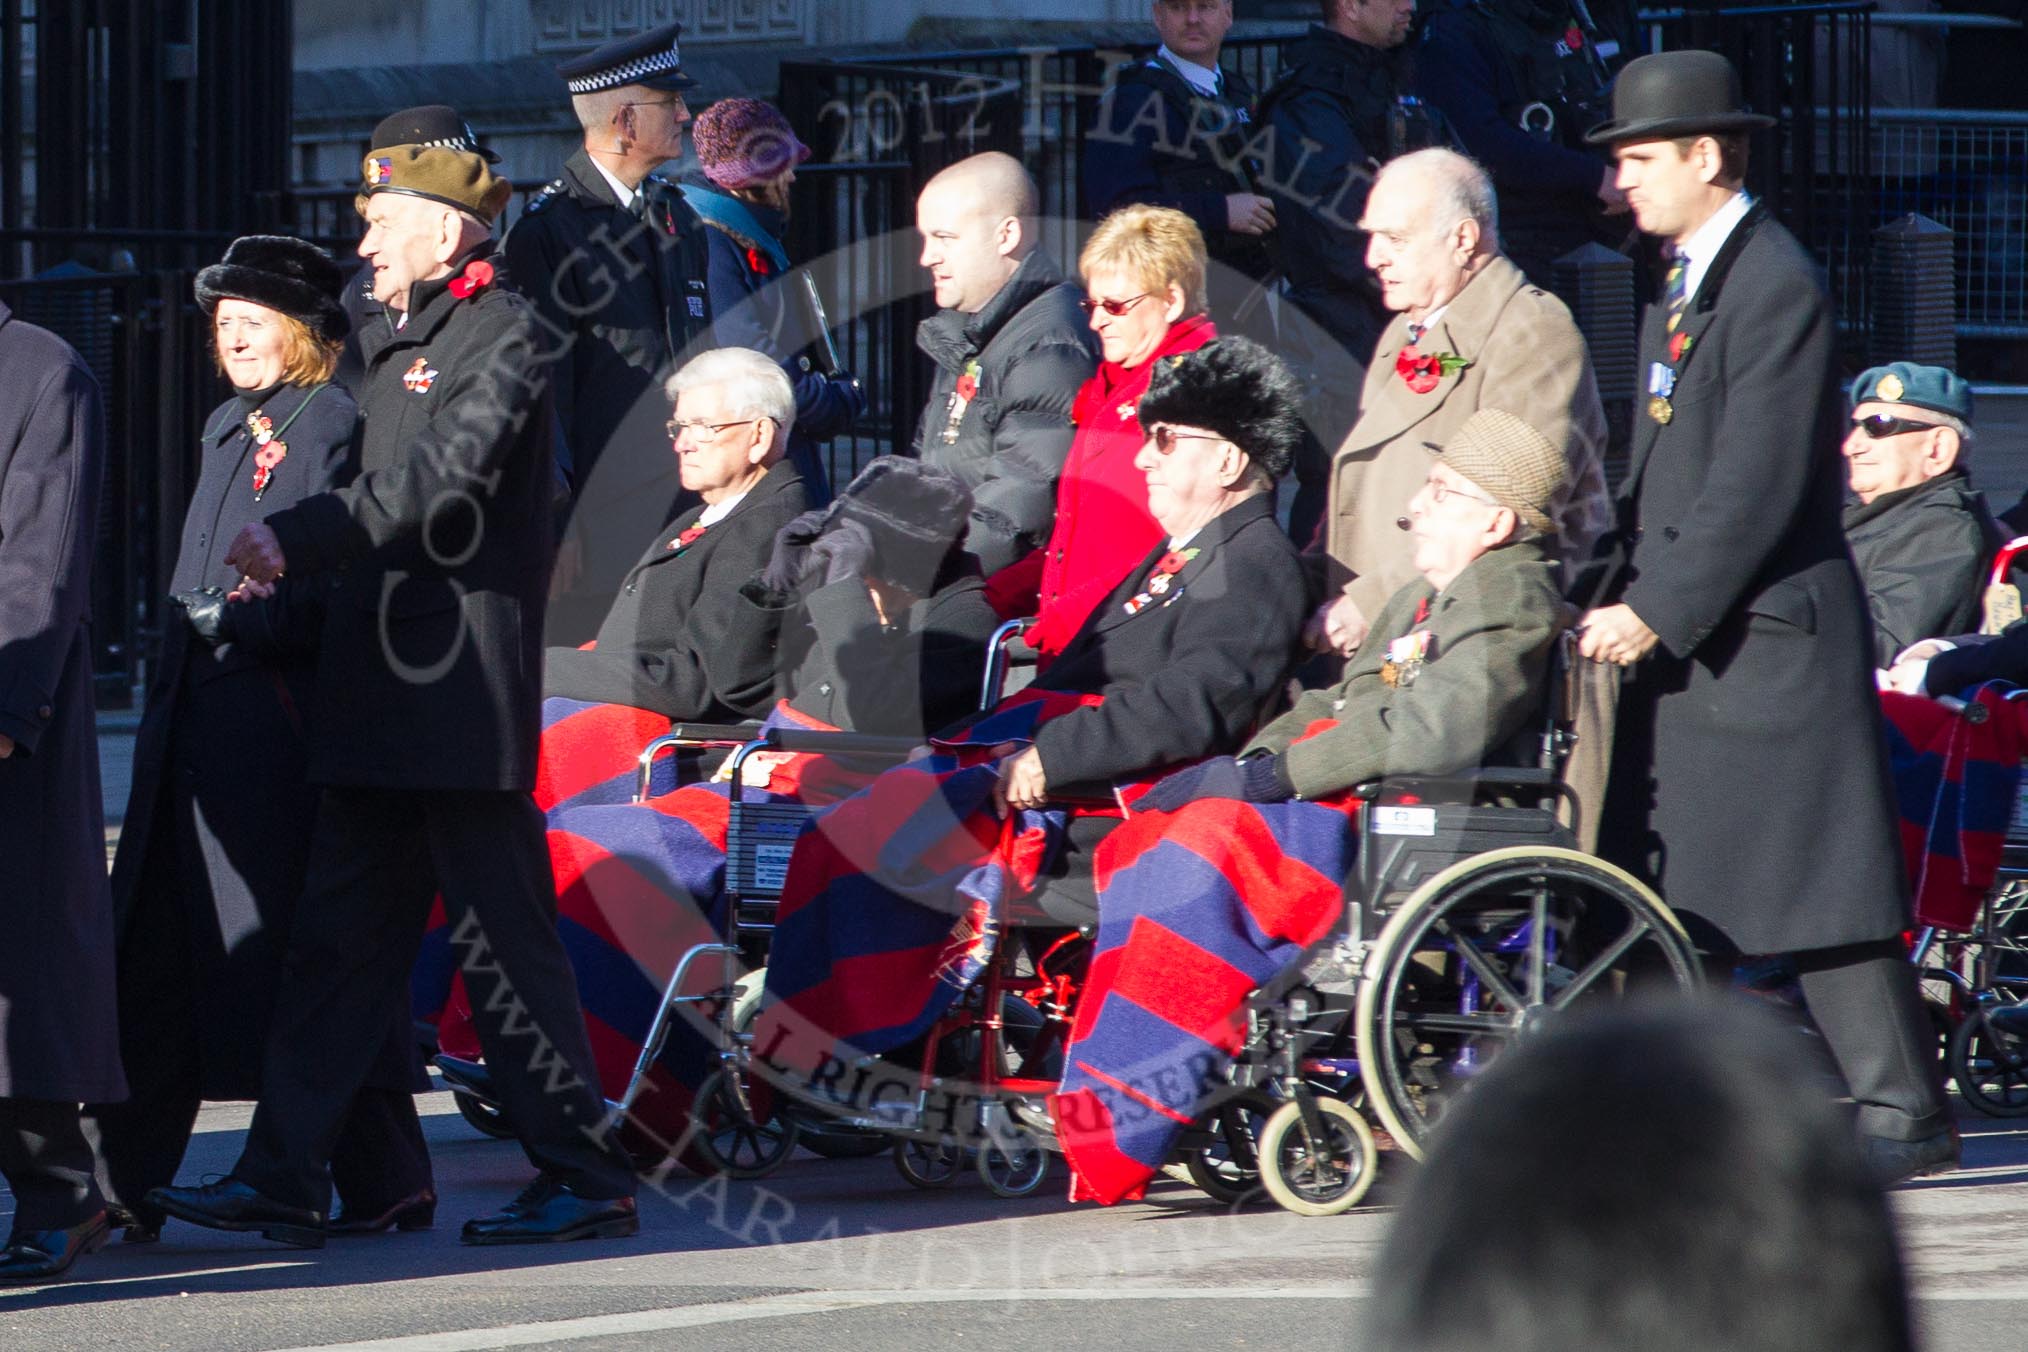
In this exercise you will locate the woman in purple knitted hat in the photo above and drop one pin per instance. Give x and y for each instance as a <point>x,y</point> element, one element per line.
<point>747,156</point>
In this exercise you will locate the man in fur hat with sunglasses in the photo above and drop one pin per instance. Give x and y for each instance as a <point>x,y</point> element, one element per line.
<point>1749,778</point>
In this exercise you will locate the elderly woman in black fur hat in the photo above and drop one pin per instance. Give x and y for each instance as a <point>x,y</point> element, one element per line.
<point>214,845</point>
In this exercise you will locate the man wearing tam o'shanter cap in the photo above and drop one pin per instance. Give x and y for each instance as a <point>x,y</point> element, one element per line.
<point>434,565</point>
<point>615,262</point>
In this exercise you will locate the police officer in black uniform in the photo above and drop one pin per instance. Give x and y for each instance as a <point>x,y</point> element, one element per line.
<point>1339,111</point>
<point>1172,131</point>
<point>617,265</point>
<point>435,561</point>
<point>1521,82</point>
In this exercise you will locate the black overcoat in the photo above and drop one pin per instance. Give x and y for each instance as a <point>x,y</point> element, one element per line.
<point>1922,555</point>
<point>59,1032</point>
<point>1749,777</point>
<point>1188,674</point>
<point>1028,352</point>
<point>619,299</point>
<point>843,666</point>
<point>429,669</point>
<point>679,640</point>
<point>221,760</point>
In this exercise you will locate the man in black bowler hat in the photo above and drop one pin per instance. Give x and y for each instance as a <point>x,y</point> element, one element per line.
<point>1749,776</point>
<point>434,561</point>
<point>617,264</point>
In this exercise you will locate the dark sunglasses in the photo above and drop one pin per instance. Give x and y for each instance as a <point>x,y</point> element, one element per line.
<point>1165,437</point>
<point>1112,307</point>
<point>1881,425</point>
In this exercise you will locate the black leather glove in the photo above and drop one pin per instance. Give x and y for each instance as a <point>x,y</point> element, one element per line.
<point>209,615</point>
<point>843,551</point>
<point>1253,780</point>
<point>790,559</point>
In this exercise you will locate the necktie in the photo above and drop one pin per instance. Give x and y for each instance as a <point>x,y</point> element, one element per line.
<point>1415,332</point>
<point>1675,294</point>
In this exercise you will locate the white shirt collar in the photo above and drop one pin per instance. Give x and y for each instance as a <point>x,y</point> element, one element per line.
<point>1204,79</point>
<point>1709,240</point>
<point>1430,320</point>
<point>720,510</point>
<point>1179,541</point>
<point>621,191</point>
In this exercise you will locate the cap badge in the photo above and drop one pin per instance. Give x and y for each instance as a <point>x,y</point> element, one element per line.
<point>1890,387</point>
<point>379,171</point>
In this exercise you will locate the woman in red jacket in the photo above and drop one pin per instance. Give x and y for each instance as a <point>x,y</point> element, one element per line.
<point>1143,272</point>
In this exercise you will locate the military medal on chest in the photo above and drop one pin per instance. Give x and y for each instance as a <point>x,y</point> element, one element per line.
<point>1162,580</point>
<point>419,377</point>
<point>962,395</point>
<point>1405,658</point>
<point>269,450</point>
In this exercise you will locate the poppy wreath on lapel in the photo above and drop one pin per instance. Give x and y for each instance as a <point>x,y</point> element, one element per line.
<point>1236,388</point>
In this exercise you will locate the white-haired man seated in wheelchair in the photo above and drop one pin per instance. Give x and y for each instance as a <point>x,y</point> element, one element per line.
<point>1221,874</point>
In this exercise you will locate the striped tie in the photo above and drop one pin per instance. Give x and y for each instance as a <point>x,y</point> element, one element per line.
<point>1674,294</point>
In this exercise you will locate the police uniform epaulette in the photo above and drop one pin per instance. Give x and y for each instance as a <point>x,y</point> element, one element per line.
<point>549,193</point>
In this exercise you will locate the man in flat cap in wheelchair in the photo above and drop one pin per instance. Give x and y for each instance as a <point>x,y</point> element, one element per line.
<point>1455,662</point>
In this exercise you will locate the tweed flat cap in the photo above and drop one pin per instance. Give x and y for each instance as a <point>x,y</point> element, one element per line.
<point>1514,463</point>
<point>1903,382</point>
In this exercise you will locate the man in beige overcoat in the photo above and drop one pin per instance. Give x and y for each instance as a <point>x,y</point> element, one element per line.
<point>1468,332</point>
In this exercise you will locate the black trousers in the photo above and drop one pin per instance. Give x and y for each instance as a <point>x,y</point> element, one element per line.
<point>380,1156</point>
<point>378,859</point>
<point>47,1164</point>
<point>1865,1002</point>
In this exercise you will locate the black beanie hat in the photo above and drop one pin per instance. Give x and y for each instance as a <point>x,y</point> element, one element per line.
<point>289,275</point>
<point>1236,388</point>
<point>914,512</point>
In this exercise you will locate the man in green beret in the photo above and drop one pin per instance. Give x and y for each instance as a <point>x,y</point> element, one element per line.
<point>1919,532</point>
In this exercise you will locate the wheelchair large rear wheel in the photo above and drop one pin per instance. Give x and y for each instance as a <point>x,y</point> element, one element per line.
<point>1989,1059</point>
<point>1492,949</point>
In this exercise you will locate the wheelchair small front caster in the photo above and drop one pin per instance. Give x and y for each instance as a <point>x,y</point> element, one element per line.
<point>928,1164</point>
<point>1013,1162</point>
<point>1317,1177</point>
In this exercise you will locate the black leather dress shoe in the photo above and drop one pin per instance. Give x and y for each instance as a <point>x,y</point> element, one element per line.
<point>38,1255</point>
<point>232,1205</point>
<point>1891,1162</point>
<point>548,1211</point>
<point>134,1227</point>
<point>417,1211</point>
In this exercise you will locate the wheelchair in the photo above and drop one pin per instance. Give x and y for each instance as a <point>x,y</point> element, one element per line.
<point>1472,919</point>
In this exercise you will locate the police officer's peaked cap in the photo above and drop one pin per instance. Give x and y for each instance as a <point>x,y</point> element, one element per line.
<point>433,124</point>
<point>648,59</point>
<point>1903,382</point>
<point>1670,94</point>
<point>1236,388</point>
<point>430,152</point>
